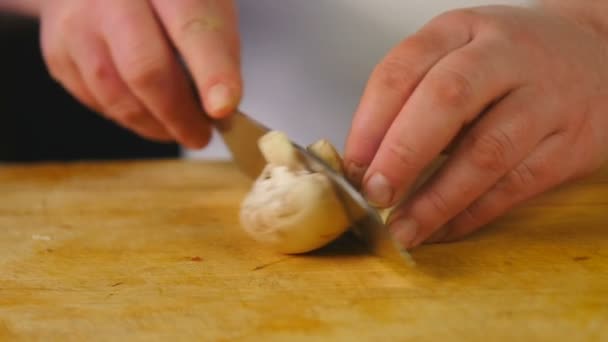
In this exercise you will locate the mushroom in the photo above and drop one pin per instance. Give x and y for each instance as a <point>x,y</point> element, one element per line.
<point>289,208</point>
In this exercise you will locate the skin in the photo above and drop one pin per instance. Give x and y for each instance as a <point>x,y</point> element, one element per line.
<point>518,95</point>
<point>121,58</point>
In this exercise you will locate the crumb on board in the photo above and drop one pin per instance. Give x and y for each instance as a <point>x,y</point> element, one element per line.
<point>581,258</point>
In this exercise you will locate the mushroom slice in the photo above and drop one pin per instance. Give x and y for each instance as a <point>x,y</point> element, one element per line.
<point>278,151</point>
<point>327,152</point>
<point>290,208</point>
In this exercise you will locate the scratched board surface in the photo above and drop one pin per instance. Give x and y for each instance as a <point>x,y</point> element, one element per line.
<point>153,250</point>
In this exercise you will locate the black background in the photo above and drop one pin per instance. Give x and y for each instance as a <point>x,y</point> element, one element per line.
<point>40,121</point>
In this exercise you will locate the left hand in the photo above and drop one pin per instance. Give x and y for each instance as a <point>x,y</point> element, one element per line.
<point>529,86</point>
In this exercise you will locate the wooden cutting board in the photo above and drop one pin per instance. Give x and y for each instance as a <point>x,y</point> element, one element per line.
<point>153,250</point>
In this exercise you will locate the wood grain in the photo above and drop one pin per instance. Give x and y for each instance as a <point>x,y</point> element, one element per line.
<point>153,251</point>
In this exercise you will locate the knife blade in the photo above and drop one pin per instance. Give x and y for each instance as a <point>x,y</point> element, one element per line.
<point>241,133</point>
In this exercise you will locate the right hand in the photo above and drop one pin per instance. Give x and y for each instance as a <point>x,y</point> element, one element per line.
<point>118,58</point>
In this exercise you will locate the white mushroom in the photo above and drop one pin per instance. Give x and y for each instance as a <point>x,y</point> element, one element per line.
<point>326,151</point>
<point>289,208</point>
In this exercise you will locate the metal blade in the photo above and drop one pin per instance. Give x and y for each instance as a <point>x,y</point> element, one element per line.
<point>366,222</point>
<point>241,134</point>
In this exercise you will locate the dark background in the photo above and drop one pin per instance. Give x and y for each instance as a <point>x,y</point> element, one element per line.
<point>40,121</point>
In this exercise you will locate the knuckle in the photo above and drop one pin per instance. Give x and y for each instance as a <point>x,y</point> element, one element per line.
<point>194,26</point>
<point>508,31</point>
<point>71,23</point>
<point>101,70</point>
<point>473,214</point>
<point>145,70</point>
<point>496,27</point>
<point>521,178</point>
<point>452,88</point>
<point>395,74</point>
<point>490,151</point>
<point>438,202</point>
<point>589,164</point>
<point>53,59</point>
<point>126,111</point>
<point>419,44</point>
<point>455,17</point>
<point>134,119</point>
<point>48,47</point>
<point>519,37</point>
<point>54,69</point>
<point>403,154</point>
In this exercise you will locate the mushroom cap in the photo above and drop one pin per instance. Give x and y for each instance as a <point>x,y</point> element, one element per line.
<point>292,211</point>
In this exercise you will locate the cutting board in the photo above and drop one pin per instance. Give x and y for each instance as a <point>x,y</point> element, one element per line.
<point>152,250</point>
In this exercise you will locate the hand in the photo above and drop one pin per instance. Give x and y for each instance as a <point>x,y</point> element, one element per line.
<point>118,57</point>
<point>522,93</point>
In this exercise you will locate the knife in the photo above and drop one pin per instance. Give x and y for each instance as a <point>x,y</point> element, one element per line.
<point>241,133</point>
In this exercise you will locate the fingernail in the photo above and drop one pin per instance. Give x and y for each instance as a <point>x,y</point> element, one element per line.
<point>404,231</point>
<point>219,99</point>
<point>355,173</point>
<point>378,191</point>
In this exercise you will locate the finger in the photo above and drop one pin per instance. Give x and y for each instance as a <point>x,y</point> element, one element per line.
<point>205,33</point>
<point>533,176</point>
<point>495,145</point>
<point>146,62</point>
<point>119,104</point>
<point>145,125</point>
<point>391,84</point>
<point>451,94</point>
<point>72,80</point>
<point>60,66</point>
